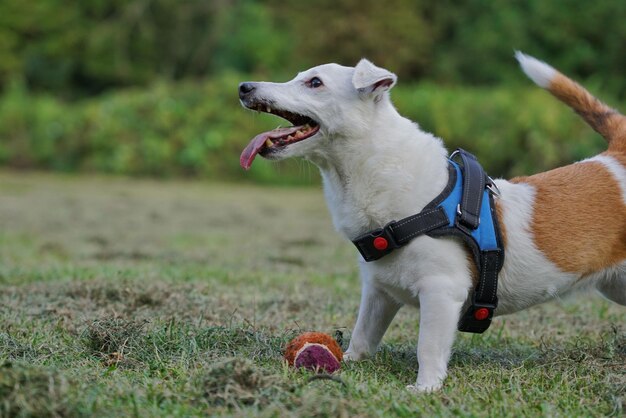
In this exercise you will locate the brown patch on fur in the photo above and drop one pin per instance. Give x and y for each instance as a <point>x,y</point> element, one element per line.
<point>579,219</point>
<point>606,121</point>
<point>472,265</point>
<point>500,217</point>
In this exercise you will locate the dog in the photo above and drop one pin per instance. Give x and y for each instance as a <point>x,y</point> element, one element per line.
<point>562,230</point>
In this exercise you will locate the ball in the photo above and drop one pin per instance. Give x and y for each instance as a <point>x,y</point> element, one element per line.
<point>314,351</point>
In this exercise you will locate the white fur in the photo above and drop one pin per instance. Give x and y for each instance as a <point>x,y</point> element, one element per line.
<point>367,76</point>
<point>612,284</point>
<point>538,71</point>
<point>378,166</point>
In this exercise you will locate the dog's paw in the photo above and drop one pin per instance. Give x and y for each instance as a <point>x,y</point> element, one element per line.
<point>354,356</point>
<point>421,388</point>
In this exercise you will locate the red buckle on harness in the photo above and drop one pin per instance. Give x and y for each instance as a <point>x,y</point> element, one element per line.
<point>481,314</point>
<point>381,243</point>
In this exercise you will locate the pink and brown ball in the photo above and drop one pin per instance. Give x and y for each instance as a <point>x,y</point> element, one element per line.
<point>314,351</point>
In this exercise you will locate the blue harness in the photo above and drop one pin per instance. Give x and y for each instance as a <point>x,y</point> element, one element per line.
<point>464,209</point>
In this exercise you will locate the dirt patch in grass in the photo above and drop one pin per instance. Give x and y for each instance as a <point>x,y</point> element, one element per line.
<point>236,382</point>
<point>76,304</point>
<point>113,339</point>
<point>131,295</point>
<point>155,346</point>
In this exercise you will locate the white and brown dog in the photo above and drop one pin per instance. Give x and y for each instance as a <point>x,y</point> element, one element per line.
<point>564,229</point>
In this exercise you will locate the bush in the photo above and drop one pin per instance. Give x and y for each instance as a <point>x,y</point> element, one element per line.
<point>199,129</point>
<point>514,131</point>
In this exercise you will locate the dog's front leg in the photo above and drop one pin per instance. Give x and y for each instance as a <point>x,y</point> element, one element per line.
<point>440,309</point>
<point>375,314</point>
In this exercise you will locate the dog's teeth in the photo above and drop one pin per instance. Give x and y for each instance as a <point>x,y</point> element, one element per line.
<point>268,109</point>
<point>268,143</point>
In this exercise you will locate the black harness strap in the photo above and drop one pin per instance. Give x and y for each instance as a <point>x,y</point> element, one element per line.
<point>474,180</point>
<point>434,221</point>
<point>477,317</point>
<point>380,242</point>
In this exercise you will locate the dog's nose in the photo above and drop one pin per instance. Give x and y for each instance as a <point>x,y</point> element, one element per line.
<point>245,89</point>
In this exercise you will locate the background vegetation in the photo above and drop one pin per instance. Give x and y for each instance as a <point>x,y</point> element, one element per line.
<point>148,87</point>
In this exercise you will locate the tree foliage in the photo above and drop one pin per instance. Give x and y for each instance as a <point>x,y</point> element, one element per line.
<point>85,47</point>
<point>76,47</point>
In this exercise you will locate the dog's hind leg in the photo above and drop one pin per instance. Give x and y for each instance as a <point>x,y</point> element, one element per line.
<point>614,287</point>
<point>375,314</point>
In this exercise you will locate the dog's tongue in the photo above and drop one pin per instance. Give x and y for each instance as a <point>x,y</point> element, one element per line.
<point>258,142</point>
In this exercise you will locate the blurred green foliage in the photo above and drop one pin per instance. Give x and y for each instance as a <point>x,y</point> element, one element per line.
<point>149,87</point>
<point>198,128</point>
<point>78,47</point>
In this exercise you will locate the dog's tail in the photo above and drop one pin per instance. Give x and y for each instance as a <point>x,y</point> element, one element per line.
<point>606,121</point>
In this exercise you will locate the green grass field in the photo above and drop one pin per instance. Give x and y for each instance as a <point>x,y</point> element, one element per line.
<point>142,298</point>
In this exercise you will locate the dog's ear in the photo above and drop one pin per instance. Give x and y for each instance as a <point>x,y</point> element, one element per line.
<point>369,79</point>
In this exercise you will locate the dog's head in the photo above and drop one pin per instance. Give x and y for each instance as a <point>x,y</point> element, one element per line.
<point>324,104</point>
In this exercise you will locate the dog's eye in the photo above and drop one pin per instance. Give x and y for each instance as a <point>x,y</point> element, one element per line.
<point>314,83</point>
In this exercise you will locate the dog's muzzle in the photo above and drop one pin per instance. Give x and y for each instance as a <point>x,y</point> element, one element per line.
<point>246,89</point>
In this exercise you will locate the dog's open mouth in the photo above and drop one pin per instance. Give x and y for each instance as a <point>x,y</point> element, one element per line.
<point>279,138</point>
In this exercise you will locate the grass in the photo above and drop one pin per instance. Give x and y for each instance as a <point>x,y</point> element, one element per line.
<point>141,298</point>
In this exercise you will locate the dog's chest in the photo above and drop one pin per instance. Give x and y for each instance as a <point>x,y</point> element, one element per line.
<point>349,216</point>
<point>426,263</point>
<point>363,207</point>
